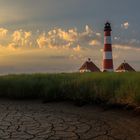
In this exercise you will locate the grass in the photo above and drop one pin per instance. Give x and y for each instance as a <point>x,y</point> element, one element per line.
<point>107,88</point>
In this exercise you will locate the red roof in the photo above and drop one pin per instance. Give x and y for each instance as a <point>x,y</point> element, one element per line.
<point>126,67</point>
<point>89,65</point>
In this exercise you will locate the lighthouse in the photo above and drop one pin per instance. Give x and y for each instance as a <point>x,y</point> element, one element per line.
<point>107,52</point>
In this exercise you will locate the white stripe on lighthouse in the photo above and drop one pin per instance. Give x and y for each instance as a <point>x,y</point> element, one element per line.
<point>107,40</point>
<point>107,55</point>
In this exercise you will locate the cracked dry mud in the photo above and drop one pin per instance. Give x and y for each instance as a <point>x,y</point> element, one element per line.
<point>32,120</point>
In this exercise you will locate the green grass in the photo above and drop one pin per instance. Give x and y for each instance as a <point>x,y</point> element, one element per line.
<point>109,88</point>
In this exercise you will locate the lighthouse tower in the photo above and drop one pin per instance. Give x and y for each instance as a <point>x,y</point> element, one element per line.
<point>107,52</point>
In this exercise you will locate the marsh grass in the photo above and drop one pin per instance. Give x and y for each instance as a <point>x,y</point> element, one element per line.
<point>108,88</point>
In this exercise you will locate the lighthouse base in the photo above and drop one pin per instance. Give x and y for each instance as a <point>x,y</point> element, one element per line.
<point>108,70</point>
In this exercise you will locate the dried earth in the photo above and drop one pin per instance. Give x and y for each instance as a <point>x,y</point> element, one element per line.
<point>33,120</point>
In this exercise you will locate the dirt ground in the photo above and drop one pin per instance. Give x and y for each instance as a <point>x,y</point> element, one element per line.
<point>33,120</point>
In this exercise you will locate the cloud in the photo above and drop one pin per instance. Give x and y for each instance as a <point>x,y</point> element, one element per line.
<point>116,38</point>
<point>94,43</point>
<point>57,38</point>
<point>22,38</point>
<point>125,25</point>
<point>126,47</point>
<point>77,49</point>
<point>134,41</point>
<point>70,35</point>
<point>71,38</point>
<point>3,32</point>
<point>17,36</point>
<point>27,35</point>
<point>88,30</point>
<point>42,41</point>
<point>87,35</point>
<point>98,34</point>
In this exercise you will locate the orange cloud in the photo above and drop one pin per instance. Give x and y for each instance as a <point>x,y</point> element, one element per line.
<point>77,49</point>
<point>3,32</point>
<point>42,41</point>
<point>94,43</point>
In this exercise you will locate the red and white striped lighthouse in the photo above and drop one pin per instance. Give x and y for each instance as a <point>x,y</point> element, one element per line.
<point>107,52</point>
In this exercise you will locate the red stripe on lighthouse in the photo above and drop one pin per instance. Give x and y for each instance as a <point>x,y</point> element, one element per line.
<point>107,53</point>
<point>108,64</point>
<point>108,47</point>
<point>107,33</point>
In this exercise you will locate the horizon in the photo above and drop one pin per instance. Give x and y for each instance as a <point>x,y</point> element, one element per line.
<point>60,35</point>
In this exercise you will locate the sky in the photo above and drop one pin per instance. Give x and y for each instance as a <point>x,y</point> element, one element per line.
<point>60,35</point>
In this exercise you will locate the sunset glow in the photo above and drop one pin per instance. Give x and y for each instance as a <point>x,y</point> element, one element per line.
<point>56,36</point>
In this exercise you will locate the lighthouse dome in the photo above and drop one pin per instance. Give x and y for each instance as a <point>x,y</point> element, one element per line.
<point>107,27</point>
